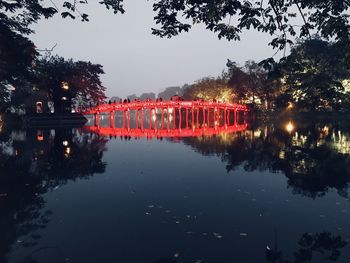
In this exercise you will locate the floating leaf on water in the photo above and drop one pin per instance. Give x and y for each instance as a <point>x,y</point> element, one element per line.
<point>177,222</point>
<point>322,216</point>
<point>150,206</point>
<point>243,234</point>
<point>148,213</point>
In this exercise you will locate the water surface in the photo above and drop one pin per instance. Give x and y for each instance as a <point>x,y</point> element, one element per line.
<point>263,194</point>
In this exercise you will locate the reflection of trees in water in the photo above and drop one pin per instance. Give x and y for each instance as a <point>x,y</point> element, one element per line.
<point>33,167</point>
<point>323,245</point>
<point>314,159</point>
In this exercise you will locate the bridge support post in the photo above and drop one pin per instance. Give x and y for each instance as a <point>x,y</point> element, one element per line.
<point>137,119</point>
<point>208,118</point>
<point>129,119</point>
<point>228,117</point>
<point>124,117</point>
<point>180,118</point>
<point>150,118</point>
<point>96,119</point>
<point>142,118</point>
<point>186,117</point>
<point>168,118</point>
<point>203,116</point>
<point>235,117</point>
<point>174,119</point>
<point>162,118</point>
<point>111,119</point>
<point>225,109</point>
<point>192,119</point>
<point>155,119</point>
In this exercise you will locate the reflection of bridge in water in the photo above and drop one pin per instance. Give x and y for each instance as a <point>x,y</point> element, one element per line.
<point>166,119</point>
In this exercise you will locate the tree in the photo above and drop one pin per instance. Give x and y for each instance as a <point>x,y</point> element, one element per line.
<point>169,92</point>
<point>283,19</point>
<point>210,88</point>
<point>150,95</point>
<point>16,57</point>
<point>17,52</point>
<point>314,73</point>
<point>66,80</point>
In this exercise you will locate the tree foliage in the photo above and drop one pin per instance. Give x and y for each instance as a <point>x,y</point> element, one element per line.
<point>283,19</point>
<point>83,78</point>
<point>314,72</point>
<point>210,88</point>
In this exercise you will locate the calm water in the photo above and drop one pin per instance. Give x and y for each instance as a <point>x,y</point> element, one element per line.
<point>264,194</point>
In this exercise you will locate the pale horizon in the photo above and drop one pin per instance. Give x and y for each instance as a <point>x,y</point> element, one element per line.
<point>134,60</point>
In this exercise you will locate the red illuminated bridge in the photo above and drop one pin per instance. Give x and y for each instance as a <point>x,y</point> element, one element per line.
<point>166,118</point>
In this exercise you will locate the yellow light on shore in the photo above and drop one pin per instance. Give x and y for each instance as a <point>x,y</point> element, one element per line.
<point>290,105</point>
<point>289,127</point>
<point>65,85</point>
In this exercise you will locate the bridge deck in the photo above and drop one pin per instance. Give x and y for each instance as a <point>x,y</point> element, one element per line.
<point>164,105</point>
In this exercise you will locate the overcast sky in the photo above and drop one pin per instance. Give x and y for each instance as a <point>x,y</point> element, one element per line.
<point>134,60</point>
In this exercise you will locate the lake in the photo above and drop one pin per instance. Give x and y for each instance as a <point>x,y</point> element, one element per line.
<point>276,192</point>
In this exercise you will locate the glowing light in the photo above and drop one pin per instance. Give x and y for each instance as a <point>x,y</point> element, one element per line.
<point>290,105</point>
<point>325,130</point>
<point>64,98</point>
<point>65,85</point>
<point>68,150</point>
<point>65,143</point>
<point>289,127</point>
<point>40,136</point>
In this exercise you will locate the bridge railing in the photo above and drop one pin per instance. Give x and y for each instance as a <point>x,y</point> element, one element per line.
<point>164,105</point>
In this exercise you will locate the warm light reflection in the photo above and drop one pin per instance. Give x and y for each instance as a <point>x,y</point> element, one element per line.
<point>177,132</point>
<point>65,143</point>
<point>40,136</point>
<point>290,127</point>
<point>290,105</point>
<point>65,85</point>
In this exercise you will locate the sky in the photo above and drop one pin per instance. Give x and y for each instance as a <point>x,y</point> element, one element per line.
<point>134,60</point>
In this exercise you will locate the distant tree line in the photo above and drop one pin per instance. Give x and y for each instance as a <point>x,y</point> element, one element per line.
<point>315,76</point>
